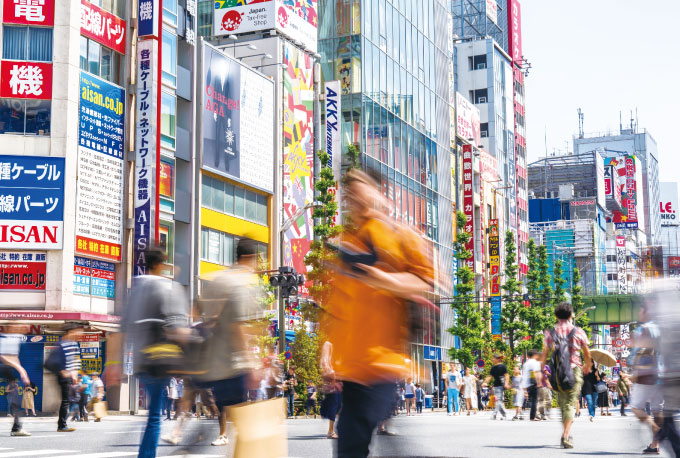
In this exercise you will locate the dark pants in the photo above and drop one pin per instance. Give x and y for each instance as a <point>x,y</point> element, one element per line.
<point>154,389</point>
<point>169,404</point>
<point>532,391</point>
<point>624,400</point>
<point>17,413</point>
<point>419,406</point>
<point>363,407</point>
<point>82,406</point>
<point>64,384</point>
<point>291,403</point>
<point>310,404</point>
<point>669,432</point>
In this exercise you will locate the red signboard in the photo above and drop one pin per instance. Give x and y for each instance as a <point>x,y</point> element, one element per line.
<point>22,274</point>
<point>25,80</point>
<point>674,262</point>
<point>29,12</point>
<point>620,241</point>
<point>469,203</point>
<point>98,248</point>
<point>102,26</point>
<point>515,31</point>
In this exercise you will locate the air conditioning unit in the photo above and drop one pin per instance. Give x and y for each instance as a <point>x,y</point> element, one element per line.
<point>481,100</point>
<point>481,66</point>
<point>484,133</point>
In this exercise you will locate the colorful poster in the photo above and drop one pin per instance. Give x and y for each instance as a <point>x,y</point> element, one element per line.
<point>101,169</point>
<point>515,31</point>
<point>22,271</point>
<point>468,120</point>
<point>298,154</point>
<point>621,271</point>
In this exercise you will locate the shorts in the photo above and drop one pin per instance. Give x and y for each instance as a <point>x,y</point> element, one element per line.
<point>409,396</point>
<point>227,392</point>
<point>640,395</point>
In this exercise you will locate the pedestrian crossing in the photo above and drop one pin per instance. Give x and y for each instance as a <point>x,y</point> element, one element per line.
<point>59,453</point>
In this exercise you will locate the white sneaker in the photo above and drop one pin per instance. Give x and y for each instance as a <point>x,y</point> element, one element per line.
<point>222,440</point>
<point>21,432</point>
<point>170,439</point>
<point>592,418</point>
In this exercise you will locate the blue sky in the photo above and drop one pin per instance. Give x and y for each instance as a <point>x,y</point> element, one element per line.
<point>603,56</point>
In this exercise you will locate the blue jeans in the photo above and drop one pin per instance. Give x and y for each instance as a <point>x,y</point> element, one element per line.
<point>591,399</point>
<point>291,404</point>
<point>154,388</point>
<point>452,398</point>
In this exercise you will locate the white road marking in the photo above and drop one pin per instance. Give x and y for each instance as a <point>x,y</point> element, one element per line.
<point>34,453</point>
<point>100,455</point>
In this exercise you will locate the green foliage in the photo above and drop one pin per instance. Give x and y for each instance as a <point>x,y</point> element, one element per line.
<point>533,315</point>
<point>259,329</point>
<point>559,282</point>
<point>514,328</point>
<point>577,302</point>
<point>471,324</point>
<point>306,352</point>
<point>545,302</point>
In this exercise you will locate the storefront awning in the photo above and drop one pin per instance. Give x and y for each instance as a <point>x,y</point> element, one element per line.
<point>105,322</point>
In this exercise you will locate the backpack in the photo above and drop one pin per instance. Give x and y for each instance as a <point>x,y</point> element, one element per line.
<point>562,377</point>
<point>56,361</point>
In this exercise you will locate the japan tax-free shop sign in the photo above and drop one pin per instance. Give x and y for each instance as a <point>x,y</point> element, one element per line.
<point>31,202</point>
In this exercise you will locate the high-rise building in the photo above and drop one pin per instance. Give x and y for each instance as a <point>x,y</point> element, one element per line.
<point>392,59</point>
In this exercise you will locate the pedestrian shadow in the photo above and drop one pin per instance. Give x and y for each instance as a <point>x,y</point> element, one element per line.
<point>530,447</point>
<point>522,447</point>
<point>309,438</point>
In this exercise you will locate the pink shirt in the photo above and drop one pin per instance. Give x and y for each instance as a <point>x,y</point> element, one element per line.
<point>563,328</point>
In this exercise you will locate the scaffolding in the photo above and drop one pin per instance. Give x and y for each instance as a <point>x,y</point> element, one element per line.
<point>471,21</point>
<point>547,174</point>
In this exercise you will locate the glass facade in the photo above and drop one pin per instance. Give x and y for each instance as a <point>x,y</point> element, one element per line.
<point>391,58</point>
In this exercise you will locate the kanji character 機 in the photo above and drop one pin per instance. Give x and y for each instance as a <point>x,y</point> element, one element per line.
<point>26,80</point>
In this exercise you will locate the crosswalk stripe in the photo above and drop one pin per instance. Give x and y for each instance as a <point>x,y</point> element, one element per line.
<point>34,453</point>
<point>99,455</point>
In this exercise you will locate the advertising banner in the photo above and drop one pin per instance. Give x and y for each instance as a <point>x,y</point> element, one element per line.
<point>28,12</point>
<point>92,277</point>
<point>669,204</point>
<point>496,309</point>
<point>298,154</point>
<point>515,31</point>
<point>621,270</point>
<point>494,258</point>
<point>492,10</point>
<point>469,203</point>
<point>25,80</point>
<point>674,262</point>
<point>31,202</point>
<point>22,271</point>
<point>467,125</point>
<point>166,186</point>
<point>146,154</point>
<point>101,137</point>
<point>333,142</point>
<point>628,168</point>
<point>101,26</point>
<point>147,18</point>
<point>238,117</point>
<point>295,19</point>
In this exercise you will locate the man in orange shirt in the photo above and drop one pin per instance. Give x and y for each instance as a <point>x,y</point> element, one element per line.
<point>381,267</point>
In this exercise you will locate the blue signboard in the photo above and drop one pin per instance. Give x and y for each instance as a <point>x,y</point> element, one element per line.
<point>432,353</point>
<point>31,202</point>
<point>94,277</point>
<point>495,315</point>
<point>147,19</point>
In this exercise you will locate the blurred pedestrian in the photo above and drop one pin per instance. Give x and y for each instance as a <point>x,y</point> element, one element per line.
<point>453,383</point>
<point>410,395</point>
<point>517,393</point>
<point>332,389</point>
<point>532,376</point>
<point>603,394</point>
<point>623,390</point>
<point>289,384</point>
<point>68,355</point>
<point>173,395</point>
<point>156,322</point>
<point>386,266</point>
<point>565,341</point>
<point>470,391</point>
<point>501,382</point>
<point>74,400</point>
<point>310,402</point>
<point>420,397</point>
<point>478,390</point>
<point>97,395</point>
<point>545,395</point>
<point>28,400</point>
<point>10,345</point>
<point>85,389</point>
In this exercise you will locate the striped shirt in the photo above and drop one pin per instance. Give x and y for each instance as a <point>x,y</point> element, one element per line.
<point>71,355</point>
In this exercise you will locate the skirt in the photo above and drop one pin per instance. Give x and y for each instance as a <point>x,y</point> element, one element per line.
<point>27,401</point>
<point>330,406</point>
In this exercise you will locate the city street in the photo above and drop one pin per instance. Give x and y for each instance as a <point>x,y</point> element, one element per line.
<point>429,435</point>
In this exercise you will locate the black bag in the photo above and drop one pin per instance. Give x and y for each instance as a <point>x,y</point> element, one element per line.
<point>163,357</point>
<point>56,361</point>
<point>562,377</point>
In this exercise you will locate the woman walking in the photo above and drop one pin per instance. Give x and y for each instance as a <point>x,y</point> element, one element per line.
<point>453,384</point>
<point>602,395</point>
<point>332,388</point>
<point>589,392</point>
<point>518,393</point>
<point>470,391</point>
<point>28,403</point>
<point>409,394</point>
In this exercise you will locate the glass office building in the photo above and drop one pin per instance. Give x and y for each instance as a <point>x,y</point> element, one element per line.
<point>393,60</point>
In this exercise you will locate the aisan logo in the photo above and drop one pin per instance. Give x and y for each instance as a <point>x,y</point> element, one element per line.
<point>231,20</point>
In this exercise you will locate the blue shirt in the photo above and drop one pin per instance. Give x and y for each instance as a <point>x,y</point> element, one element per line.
<point>88,385</point>
<point>420,394</point>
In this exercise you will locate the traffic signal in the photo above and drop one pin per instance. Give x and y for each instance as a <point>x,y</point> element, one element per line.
<point>287,280</point>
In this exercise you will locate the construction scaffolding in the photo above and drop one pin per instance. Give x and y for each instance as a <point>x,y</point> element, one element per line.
<point>470,20</point>
<point>547,174</point>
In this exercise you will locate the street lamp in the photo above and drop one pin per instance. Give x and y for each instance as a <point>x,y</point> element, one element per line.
<point>583,312</point>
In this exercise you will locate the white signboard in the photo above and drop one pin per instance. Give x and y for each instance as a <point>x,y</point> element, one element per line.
<point>668,207</point>
<point>492,10</point>
<point>621,271</point>
<point>333,110</point>
<point>467,120</point>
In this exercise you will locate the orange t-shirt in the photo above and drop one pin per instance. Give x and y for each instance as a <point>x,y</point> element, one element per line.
<point>368,326</point>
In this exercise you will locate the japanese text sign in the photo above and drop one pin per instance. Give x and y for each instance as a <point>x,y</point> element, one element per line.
<point>467,120</point>
<point>146,154</point>
<point>25,80</point>
<point>93,277</point>
<point>147,18</point>
<point>102,26</point>
<point>515,31</point>
<point>31,202</point>
<point>29,12</point>
<point>469,203</point>
<point>23,271</point>
<point>494,258</point>
<point>101,135</point>
<point>621,265</point>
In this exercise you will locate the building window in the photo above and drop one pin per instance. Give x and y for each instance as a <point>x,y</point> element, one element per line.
<point>168,119</point>
<point>99,60</point>
<point>25,117</point>
<point>217,247</point>
<point>479,96</point>
<point>170,11</point>
<point>116,7</point>
<point>477,62</point>
<point>169,58</point>
<point>205,17</point>
<point>166,184</point>
<point>166,231</point>
<point>484,129</point>
<point>27,43</point>
<point>234,200</point>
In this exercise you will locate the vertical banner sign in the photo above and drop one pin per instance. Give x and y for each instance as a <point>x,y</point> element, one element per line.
<point>631,191</point>
<point>515,31</point>
<point>469,204</point>
<point>494,273</point>
<point>101,135</point>
<point>31,202</point>
<point>145,158</point>
<point>147,22</point>
<point>621,264</point>
<point>333,144</point>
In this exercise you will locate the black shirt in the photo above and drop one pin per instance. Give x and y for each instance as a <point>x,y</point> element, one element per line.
<point>290,388</point>
<point>589,381</point>
<point>498,373</point>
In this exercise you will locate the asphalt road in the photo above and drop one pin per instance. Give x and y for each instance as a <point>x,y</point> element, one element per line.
<point>428,435</point>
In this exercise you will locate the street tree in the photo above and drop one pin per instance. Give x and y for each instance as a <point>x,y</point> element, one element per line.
<point>577,302</point>
<point>559,281</point>
<point>532,314</point>
<point>514,328</point>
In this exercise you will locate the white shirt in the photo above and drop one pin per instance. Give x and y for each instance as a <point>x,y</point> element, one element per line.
<point>531,365</point>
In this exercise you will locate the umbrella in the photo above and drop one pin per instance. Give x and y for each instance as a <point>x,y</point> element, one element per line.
<point>603,357</point>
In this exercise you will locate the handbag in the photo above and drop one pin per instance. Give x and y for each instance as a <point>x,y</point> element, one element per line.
<point>601,387</point>
<point>100,409</point>
<point>260,428</point>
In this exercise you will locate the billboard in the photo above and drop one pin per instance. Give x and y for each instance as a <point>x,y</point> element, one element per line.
<point>25,80</point>
<point>621,270</point>
<point>467,120</point>
<point>31,202</point>
<point>92,277</point>
<point>674,262</point>
<point>146,153</point>
<point>668,206</point>
<point>628,168</point>
<point>101,26</point>
<point>22,271</point>
<point>469,203</point>
<point>28,12</point>
<point>294,18</point>
<point>298,154</point>
<point>101,168</point>
<point>515,31</point>
<point>238,121</point>
<point>492,10</point>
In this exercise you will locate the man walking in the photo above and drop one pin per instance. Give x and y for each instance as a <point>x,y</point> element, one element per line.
<point>289,384</point>
<point>501,382</point>
<point>566,334</point>
<point>453,383</point>
<point>531,380</point>
<point>69,352</point>
<point>97,395</point>
<point>623,391</point>
<point>10,345</point>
